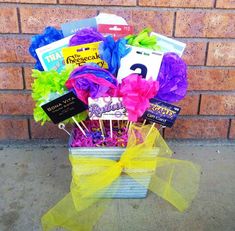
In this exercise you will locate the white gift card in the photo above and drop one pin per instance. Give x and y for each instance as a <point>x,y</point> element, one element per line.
<point>141,61</point>
<point>107,108</point>
<point>104,18</point>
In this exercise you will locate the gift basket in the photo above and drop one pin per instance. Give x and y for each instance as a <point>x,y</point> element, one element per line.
<point>117,88</point>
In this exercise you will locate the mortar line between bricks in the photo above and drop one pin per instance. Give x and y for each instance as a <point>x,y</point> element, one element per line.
<point>199,104</point>
<point>174,25</point>
<point>10,64</point>
<point>29,129</point>
<point>206,55</point>
<point>15,91</point>
<point>119,7</point>
<point>190,92</point>
<point>215,3</point>
<point>16,117</point>
<point>229,128</point>
<point>184,39</point>
<point>19,20</point>
<point>23,78</point>
<point>207,116</point>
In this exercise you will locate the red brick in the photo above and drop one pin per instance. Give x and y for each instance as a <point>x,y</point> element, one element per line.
<point>230,4</point>
<point>232,130</point>
<point>9,20</point>
<point>217,105</point>
<point>211,79</point>
<point>14,50</point>
<point>189,105</point>
<point>161,22</point>
<point>47,131</point>
<point>11,78</point>
<point>34,20</point>
<point>100,2</point>
<point>16,104</point>
<point>221,54</point>
<point>32,2</point>
<point>177,3</point>
<point>13,129</point>
<point>195,53</point>
<point>205,24</point>
<point>200,128</point>
<point>28,78</point>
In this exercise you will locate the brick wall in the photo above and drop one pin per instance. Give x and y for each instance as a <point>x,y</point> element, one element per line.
<point>207,26</point>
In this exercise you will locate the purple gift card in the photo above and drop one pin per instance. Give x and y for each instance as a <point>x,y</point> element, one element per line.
<point>161,112</point>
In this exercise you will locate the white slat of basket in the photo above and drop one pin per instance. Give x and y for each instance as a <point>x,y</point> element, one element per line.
<point>125,186</point>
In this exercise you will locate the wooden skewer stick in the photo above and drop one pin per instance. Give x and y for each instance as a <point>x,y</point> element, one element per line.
<point>84,125</point>
<point>76,122</point>
<point>111,128</point>
<point>101,128</point>
<point>62,127</point>
<point>144,122</point>
<point>150,130</point>
<point>127,124</point>
<point>118,122</point>
<point>130,124</point>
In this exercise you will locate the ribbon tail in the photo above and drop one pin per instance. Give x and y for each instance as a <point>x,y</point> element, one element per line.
<point>176,181</point>
<point>64,215</point>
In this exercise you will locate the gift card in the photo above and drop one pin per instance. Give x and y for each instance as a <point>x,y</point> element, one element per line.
<point>63,107</point>
<point>86,53</point>
<point>71,28</point>
<point>169,45</point>
<point>117,31</point>
<point>51,56</point>
<point>104,18</point>
<point>107,108</point>
<point>161,112</point>
<point>142,61</point>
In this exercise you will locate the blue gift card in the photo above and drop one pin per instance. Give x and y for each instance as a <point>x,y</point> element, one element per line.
<point>161,112</point>
<point>71,28</point>
<point>51,56</point>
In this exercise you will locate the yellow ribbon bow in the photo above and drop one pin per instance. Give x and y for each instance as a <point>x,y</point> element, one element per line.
<point>146,155</point>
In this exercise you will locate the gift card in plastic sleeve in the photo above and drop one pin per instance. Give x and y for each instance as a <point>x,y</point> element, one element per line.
<point>63,107</point>
<point>169,45</point>
<point>107,108</point>
<point>141,61</point>
<point>86,53</point>
<point>51,56</point>
<point>117,31</point>
<point>161,112</point>
<point>72,27</point>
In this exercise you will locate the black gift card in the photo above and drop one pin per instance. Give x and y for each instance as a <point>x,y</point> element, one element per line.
<point>64,107</point>
<point>161,112</point>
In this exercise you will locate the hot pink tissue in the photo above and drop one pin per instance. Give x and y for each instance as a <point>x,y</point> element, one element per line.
<point>136,93</point>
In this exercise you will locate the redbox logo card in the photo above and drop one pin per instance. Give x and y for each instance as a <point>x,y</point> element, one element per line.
<point>107,108</point>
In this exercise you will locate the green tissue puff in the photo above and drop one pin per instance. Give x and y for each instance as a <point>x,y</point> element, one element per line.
<point>47,83</point>
<point>143,39</point>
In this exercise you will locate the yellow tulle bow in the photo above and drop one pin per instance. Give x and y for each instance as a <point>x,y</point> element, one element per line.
<point>146,155</point>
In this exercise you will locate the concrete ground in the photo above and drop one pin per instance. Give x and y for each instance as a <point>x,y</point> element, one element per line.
<point>34,177</point>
